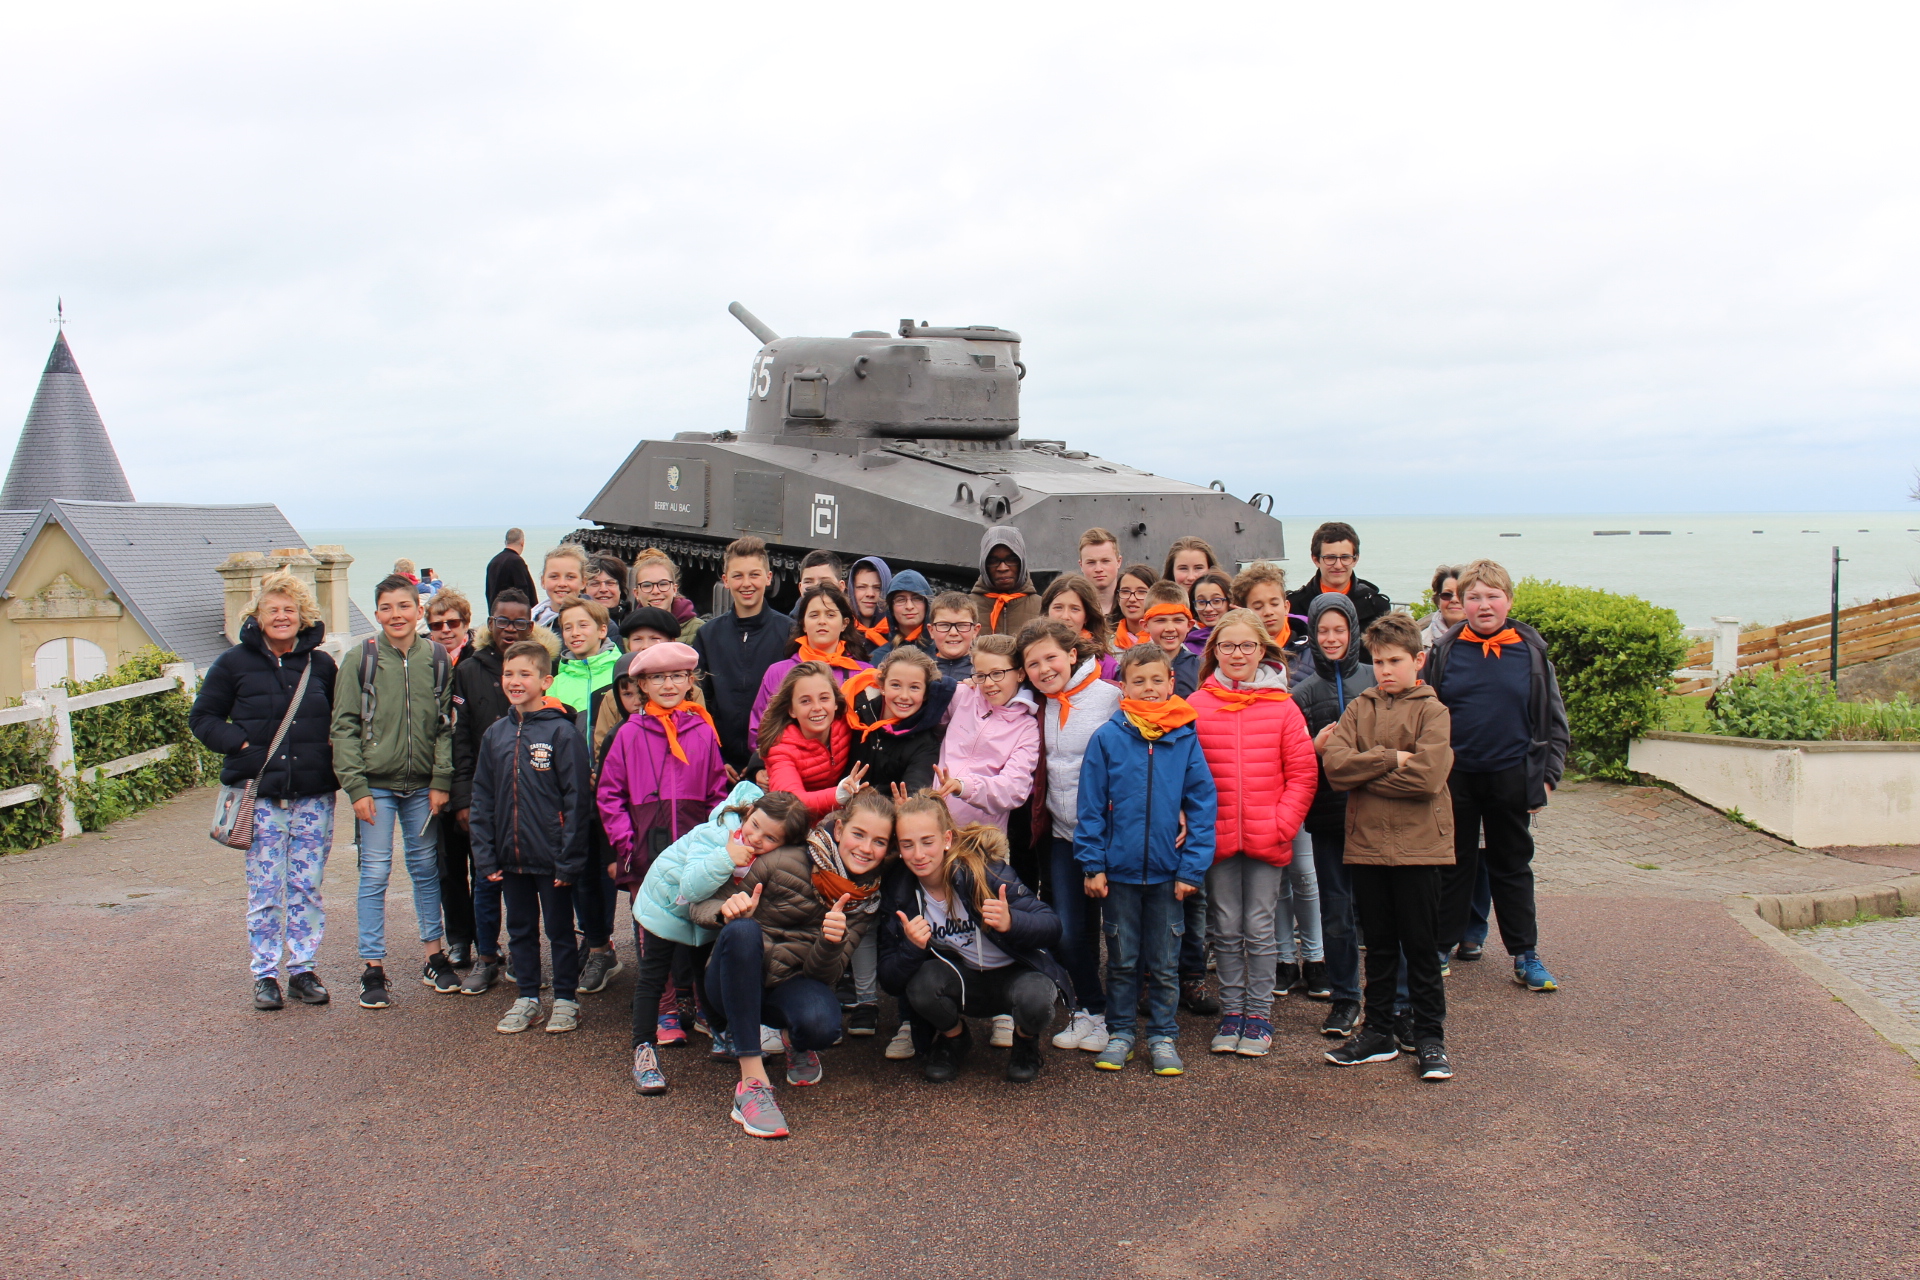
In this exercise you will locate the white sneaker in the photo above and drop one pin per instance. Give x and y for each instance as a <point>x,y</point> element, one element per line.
<point>900,1048</point>
<point>1096,1038</point>
<point>1002,1031</point>
<point>1075,1030</point>
<point>523,1013</point>
<point>770,1043</point>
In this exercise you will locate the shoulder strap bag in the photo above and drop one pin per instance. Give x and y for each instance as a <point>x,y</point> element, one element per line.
<point>233,807</point>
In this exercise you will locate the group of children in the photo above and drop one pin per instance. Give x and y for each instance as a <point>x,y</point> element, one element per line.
<point>955,797</point>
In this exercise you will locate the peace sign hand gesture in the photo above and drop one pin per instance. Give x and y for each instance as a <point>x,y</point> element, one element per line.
<point>856,777</point>
<point>996,914</point>
<point>740,904</point>
<point>834,927</point>
<point>918,931</point>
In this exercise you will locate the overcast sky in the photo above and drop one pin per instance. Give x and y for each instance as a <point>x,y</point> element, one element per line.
<point>404,264</point>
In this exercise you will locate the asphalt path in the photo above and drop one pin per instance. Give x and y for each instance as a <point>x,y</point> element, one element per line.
<point>1687,1104</point>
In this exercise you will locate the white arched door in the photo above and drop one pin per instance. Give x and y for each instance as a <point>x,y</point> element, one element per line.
<point>68,658</point>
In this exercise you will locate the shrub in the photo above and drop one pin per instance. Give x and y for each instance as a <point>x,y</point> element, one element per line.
<point>1896,721</point>
<point>1779,706</point>
<point>127,728</point>
<point>23,761</point>
<point>1614,656</point>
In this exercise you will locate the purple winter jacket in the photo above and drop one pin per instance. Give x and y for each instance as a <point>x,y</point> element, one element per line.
<point>643,787</point>
<point>994,751</point>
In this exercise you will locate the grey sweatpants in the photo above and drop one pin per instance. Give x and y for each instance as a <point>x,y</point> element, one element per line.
<point>1242,894</point>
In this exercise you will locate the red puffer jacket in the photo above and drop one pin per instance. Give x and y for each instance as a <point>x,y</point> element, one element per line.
<point>1263,765</point>
<point>809,769</point>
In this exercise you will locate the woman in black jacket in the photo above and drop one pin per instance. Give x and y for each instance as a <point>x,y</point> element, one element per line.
<point>241,702</point>
<point>961,937</point>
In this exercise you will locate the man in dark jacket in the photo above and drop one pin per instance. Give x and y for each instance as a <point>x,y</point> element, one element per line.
<point>532,806</point>
<point>737,647</point>
<point>1336,550</point>
<point>1333,646</point>
<point>509,569</point>
<point>1510,744</point>
<point>1005,592</point>
<point>478,701</point>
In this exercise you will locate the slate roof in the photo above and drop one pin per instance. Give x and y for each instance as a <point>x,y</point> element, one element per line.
<point>64,451</point>
<point>12,525</point>
<point>159,560</point>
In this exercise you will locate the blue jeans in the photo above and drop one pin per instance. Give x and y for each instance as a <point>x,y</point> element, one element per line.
<point>1341,941</point>
<point>1144,925</point>
<point>411,810</point>
<point>807,1010</point>
<point>1300,907</point>
<point>1079,949</point>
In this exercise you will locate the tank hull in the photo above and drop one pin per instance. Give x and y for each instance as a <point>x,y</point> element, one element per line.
<point>920,504</point>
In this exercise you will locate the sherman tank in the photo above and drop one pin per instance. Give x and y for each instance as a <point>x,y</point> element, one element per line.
<point>904,445</point>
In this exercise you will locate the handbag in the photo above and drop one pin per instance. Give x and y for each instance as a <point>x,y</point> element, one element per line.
<point>233,807</point>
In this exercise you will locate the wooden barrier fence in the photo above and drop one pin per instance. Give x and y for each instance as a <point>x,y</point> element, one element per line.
<point>1877,629</point>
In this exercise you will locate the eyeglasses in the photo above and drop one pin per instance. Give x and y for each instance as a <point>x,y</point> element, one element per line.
<point>1210,602</point>
<point>1447,595</point>
<point>995,676</point>
<point>454,623</point>
<point>1239,648</point>
<point>1338,559</point>
<point>659,584</point>
<point>1133,593</point>
<point>668,677</point>
<point>955,628</point>
<point>510,624</point>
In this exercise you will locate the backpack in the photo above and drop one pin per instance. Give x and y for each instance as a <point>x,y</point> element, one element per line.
<point>370,667</point>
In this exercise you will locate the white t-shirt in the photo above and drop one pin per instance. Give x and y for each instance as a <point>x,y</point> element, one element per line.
<point>962,934</point>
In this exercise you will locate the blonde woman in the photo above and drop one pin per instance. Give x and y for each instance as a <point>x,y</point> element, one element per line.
<point>241,703</point>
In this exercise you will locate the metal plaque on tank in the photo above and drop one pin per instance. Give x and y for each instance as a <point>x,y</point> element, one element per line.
<point>758,497</point>
<point>677,492</point>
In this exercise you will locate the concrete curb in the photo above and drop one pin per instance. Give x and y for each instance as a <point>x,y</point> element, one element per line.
<point>1835,906</point>
<point>1891,1026</point>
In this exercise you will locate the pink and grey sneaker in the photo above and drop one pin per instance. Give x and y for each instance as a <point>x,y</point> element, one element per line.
<point>803,1065</point>
<point>755,1110</point>
<point>670,1031</point>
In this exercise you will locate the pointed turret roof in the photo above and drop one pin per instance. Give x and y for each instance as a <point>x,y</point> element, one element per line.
<point>64,451</point>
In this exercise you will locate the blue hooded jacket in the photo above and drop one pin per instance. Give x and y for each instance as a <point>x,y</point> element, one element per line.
<point>913,582</point>
<point>1132,793</point>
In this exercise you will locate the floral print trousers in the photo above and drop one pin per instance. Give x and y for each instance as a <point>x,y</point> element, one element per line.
<point>285,864</point>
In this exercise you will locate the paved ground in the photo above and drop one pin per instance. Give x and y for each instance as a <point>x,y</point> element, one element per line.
<point>1687,1105</point>
<point>1881,955</point>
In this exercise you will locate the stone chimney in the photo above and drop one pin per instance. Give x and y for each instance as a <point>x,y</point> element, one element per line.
<point>330,586</point>
<point>243,571</point>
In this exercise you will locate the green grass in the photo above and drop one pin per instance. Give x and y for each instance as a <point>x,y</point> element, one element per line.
<point>1685,714</point>
<point>1896,721</point>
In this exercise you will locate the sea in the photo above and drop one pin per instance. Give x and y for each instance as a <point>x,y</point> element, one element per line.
<point>1761,568</point>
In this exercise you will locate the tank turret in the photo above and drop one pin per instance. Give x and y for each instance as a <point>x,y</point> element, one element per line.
<point>905,445</point>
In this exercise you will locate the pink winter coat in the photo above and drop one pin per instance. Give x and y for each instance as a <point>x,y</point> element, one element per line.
<point>643,786</point>
<point>1263,765</point>
<point>994,751</point>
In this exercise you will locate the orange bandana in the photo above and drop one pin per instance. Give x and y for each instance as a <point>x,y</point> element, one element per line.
<point>1241,699</point>
<point>1001,602</point>
<point>856,684</point>
<point>834,657</point>
<point>876,634</point>
<point>1123,637</point>
<point>1166,609</point>
<point>913,636</point>
<point>1065,696</point>
<point>831,884</point>
<point>1155,720</point>
<point>1285,633</point>
<point>665,717</point>
<point>1490,645</point>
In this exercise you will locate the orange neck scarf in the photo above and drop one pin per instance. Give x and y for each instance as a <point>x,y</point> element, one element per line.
<point>1338,591</point>
<point>834,657</point>
<point>830,885</point>
<point>1155,720</point>
<point>1241,699</point>
<point>1123,637</point>
<point>1284,634</point>
<point>1065,696</point>
<point>913,636</point>
<point>876,634</point>
<point>665,717</point>
<point>1490,645</point>
<point>1000,602</point>
<point>855,685</point>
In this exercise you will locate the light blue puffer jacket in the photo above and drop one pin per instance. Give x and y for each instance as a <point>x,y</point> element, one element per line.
<point>689,870</point>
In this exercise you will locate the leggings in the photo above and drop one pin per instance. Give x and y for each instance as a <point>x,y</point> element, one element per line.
<point>654,985</point>
<point>941,992</point>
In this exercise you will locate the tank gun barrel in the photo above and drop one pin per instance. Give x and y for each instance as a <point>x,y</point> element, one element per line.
<point>755,325</point>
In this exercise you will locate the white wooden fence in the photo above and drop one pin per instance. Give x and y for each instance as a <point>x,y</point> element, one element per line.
<point>57,705</point>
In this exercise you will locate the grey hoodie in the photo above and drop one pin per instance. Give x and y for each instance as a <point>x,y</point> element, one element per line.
<point>1015,613</point>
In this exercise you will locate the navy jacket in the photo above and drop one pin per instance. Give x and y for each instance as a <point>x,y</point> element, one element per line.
<point>508,569</point>
<point>242,698</point>
<point>533,796</point>
<point>1546,712</point>
<point>1131,795</point>
<point>1322,694</point>
<point>735,653</point>
<point>1034,928</point>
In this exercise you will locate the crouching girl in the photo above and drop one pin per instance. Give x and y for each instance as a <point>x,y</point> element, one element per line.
<point>961,937</point>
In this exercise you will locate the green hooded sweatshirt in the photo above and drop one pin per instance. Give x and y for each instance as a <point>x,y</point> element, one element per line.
<point>408,746</point>
<point>577,679</point>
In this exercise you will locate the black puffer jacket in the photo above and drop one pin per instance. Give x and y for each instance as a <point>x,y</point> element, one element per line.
<point>245,693</point>
<point>906,752</point>
<point>1323,696</point>
<point>1033,928</point>
<point>735,653</point>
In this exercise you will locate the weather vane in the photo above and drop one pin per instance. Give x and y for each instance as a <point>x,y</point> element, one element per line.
<point>60,312</point>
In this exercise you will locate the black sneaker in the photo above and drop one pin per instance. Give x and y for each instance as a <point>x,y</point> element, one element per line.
<point>864,1020</point>
<point>1195,999</point>
<point>1341,1019</point>
<point>266,994</point>
<point>1403,1032</point>
<point>1286,978</point>
<point>1371,1045</point>
<point>1313,976</point>
<point>600,968</point>
<point>849,996</point>
<point>1470,951</point>
<point>1023,1060</point>
<point>306,988</point>
<point>1433,1061</point>
<point>373,987</point>
<point>459,954</point>
<point>438,974</point>
<point>947,1056</point>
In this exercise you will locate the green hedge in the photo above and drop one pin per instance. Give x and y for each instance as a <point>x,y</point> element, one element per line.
<point>1779,706</point>
<point>23,760</point>
<point>1614,656</point>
